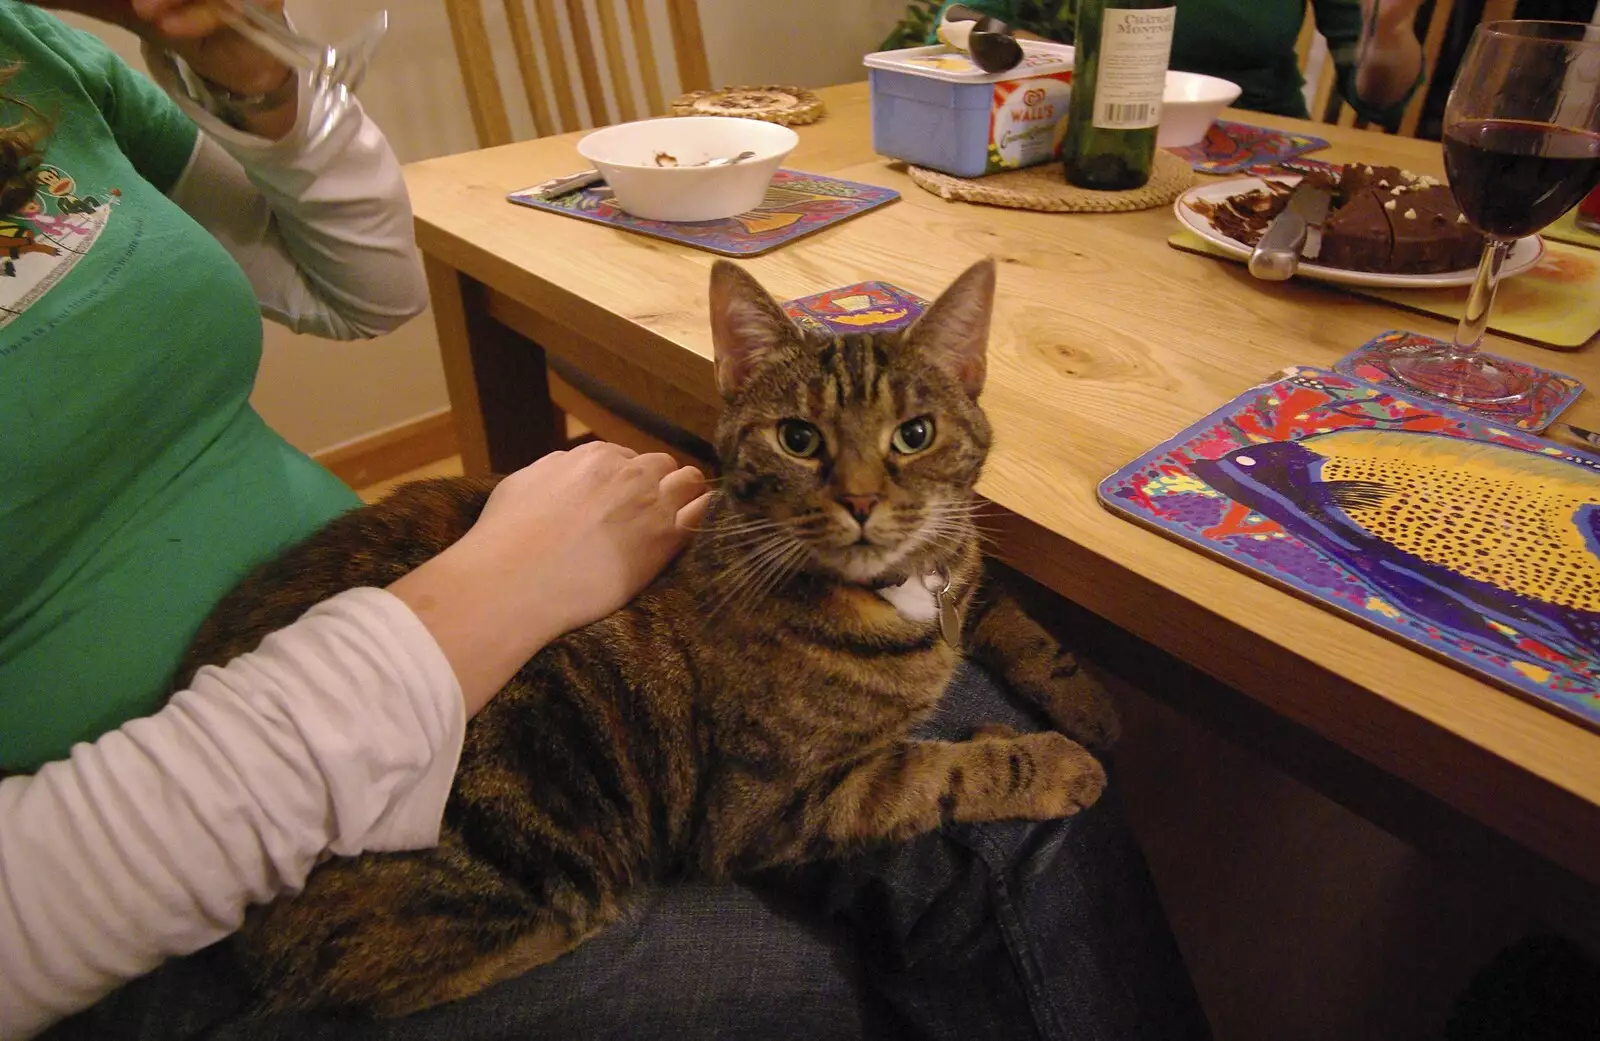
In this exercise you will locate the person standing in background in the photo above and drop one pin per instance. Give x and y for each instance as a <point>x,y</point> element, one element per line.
<point>1373,44</point>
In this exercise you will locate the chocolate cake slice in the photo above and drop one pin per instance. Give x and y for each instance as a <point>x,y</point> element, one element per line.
<point>1384,219</point>
<point>1430,234</point>
<point>1356,178</point>
<point>1356,236</point>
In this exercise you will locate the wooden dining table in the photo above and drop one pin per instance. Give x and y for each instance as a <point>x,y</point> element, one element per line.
<point>1106,342</point>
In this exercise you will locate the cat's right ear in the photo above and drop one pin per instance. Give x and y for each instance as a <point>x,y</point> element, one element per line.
<point>747,326</point>
<point>954,333</point>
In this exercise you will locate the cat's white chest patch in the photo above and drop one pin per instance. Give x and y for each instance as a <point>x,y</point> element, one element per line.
<point>913,598</point>
<point>924,598</point>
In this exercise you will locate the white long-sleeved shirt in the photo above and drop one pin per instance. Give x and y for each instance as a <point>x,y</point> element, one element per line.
<point>340,734</point>
<point>320,221</point>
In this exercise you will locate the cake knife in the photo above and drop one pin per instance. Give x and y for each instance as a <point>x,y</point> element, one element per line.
<point>1294,233</point>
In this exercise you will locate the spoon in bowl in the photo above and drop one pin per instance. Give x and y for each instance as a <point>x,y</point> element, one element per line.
<point>558,186</point>
<point>728,160</point>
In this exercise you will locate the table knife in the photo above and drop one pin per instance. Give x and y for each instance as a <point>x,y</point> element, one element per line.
<point>1294,233</point>
<point>544,191</point>
<point>1588,437</point>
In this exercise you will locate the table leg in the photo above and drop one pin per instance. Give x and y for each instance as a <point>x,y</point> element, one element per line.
<point>499,393</point>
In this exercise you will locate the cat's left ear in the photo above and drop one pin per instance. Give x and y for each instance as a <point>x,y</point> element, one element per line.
<point>954,333</point>
<point>747,326</point>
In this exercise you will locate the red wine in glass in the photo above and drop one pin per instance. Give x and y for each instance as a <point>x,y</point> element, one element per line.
<point>1512,177</point>
<point>1522,146</point>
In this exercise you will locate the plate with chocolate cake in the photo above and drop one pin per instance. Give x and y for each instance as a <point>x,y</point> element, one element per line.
<point>1387,227</point>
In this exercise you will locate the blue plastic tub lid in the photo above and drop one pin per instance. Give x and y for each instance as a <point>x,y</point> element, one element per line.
<point>939,62</point>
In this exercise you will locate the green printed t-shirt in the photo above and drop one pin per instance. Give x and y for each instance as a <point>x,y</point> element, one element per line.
<point>136,483</point>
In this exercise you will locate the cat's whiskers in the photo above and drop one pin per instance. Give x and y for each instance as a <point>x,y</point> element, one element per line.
<point>754,562</point>
<point>772,573</point>
<point>947,529</point>
<point>784,572</point>
<point>794,526</point>
<point>722,530</point>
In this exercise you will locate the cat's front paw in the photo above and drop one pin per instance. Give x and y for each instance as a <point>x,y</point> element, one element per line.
<point>1077,703</point>
<point>1067,777</point>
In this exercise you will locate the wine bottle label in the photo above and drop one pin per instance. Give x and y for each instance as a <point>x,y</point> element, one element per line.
<point>1135,46</point>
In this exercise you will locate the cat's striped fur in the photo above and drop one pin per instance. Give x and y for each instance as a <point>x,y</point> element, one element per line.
<point>750,709</point>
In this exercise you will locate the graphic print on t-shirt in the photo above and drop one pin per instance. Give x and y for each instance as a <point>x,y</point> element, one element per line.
<point>46,238</point>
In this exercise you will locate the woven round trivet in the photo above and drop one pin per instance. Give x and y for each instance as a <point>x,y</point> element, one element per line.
<point>790,106</point>
<point>1044,188</point>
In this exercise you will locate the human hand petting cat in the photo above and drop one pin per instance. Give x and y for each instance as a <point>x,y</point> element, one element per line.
<point>560,543</point>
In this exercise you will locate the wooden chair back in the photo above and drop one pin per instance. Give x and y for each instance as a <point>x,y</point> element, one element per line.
<point>539,30</point>
<point>1328,106</point>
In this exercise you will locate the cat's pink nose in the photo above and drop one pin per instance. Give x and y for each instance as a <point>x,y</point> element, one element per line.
<point>860,506</point>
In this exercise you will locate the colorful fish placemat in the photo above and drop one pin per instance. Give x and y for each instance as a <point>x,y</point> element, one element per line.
<point>797,204</point>
<point>865,307</point>
<point>1555,304</point>
<point>1565,229</point>
<point>1474,542</point>
<point>1549,392</point>
<point>1230,147</point>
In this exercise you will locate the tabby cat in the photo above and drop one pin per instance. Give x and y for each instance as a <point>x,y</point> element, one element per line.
<point>750,709</point>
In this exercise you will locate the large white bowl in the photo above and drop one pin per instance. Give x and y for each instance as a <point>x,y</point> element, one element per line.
<point>626,155</point>
<point>1189,105</point>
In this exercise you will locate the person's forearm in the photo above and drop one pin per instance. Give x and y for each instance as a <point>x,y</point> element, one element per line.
<point>1389,68</point>
<point>341,734</point>
<point>486,628</point>
<point>275,123</point>
<point>319,221</point>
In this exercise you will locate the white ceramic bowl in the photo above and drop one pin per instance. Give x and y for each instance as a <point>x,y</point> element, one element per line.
<point>626,155</point>
<point>1189,105</point>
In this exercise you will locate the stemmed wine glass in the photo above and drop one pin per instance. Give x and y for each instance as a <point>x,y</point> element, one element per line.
<point>1521,147</point>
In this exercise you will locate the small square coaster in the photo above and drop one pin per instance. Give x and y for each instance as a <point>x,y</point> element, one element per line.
<point>1230,147</point>
<point>797,204</point>
<point>1550,395</point>
<point>865,307</point>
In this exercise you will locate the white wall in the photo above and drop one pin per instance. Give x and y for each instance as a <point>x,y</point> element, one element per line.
<point>317,393</point>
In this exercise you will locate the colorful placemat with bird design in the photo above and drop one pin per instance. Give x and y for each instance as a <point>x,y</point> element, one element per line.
<point>1555,304</point>
<point>1549,392</point>
<point>797,204</point>
<point>865,307</point>
<point>1475,542</point>
<point>1230,147</point>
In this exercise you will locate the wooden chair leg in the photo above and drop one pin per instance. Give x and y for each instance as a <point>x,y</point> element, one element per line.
<point>496,379</point>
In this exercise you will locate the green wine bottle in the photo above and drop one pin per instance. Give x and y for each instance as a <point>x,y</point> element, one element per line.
<point>1119,71</point>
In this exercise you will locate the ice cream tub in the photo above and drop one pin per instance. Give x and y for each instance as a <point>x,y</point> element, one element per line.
<point>933,107</point>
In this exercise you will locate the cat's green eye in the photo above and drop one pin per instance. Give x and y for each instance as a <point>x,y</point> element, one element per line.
<point>799,438</point>
<point>913,436</point>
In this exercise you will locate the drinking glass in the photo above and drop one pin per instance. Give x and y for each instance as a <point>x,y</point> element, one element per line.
<point>340,66</point>
<point>1521,147</point>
